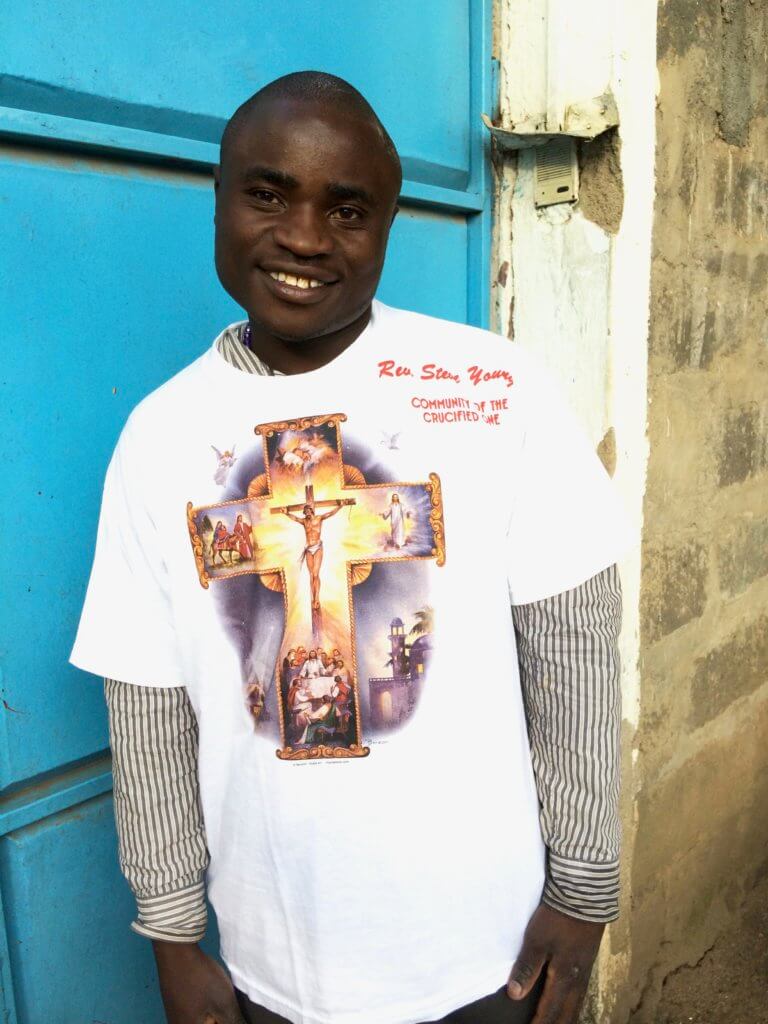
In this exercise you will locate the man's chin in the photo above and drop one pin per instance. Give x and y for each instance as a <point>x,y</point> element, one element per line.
<point>293,329</point>
<point>302,329</point>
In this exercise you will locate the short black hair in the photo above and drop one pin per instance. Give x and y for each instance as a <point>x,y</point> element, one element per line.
<point>313,86</point>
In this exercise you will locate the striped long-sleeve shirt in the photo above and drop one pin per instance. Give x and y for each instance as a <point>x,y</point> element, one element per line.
<point>569,671</point>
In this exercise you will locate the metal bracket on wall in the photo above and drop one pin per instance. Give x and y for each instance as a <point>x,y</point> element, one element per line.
<point>557,172</point>
<point>584,120</point>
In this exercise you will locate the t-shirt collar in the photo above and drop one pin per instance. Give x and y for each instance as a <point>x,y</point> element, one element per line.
<point>246,364</point>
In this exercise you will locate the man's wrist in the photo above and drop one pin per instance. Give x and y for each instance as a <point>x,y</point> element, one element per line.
<point>586,890</point>
<point>173,952</point>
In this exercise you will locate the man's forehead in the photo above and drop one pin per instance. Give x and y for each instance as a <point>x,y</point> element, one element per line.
<point>293,137</point>
<point>287,115</point>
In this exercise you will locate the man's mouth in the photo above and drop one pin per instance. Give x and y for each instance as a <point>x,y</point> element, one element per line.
<point>296,282</point>
<point>299,285</point>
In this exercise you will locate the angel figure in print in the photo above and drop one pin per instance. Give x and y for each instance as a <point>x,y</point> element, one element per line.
<point>225,462</point>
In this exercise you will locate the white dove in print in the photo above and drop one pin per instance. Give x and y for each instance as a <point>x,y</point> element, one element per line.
<point>390,440</point>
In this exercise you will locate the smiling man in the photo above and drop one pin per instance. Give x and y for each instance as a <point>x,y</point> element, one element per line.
<point>378,856</point>
<point>301,232</point>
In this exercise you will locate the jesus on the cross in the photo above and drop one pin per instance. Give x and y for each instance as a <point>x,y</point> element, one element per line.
<point>313,525</point>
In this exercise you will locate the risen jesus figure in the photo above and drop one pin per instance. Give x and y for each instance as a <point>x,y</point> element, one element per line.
<point>397,516</point>
<point>313,552</point>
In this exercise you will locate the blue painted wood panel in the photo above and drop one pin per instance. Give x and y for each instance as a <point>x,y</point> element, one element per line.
<point>412,61</point>
<point>67,943</point>
<point>428,264</point>
<point>66,913</point>
<point>108,131</point>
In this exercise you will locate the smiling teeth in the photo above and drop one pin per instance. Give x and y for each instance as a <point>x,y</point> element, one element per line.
<point>295,282</point>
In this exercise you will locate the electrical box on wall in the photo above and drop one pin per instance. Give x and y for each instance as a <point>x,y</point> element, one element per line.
<point>555,87</point>
<point>557,172</point>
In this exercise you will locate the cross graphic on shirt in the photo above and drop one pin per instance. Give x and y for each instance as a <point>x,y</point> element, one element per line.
<point>344,533</point>
<point>312,524</point>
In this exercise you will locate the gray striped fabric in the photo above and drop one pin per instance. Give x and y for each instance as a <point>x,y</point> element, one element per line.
<point>181,916</point>
<point>569,674</point>
<point>230,347</point>
<point>569,668</point>
<point>162,849</point>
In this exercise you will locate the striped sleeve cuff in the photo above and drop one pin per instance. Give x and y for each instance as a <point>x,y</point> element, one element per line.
<point>579,889</point>
<point>179,916</point>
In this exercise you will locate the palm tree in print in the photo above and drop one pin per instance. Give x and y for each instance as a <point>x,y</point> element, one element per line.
<point>425,620</point>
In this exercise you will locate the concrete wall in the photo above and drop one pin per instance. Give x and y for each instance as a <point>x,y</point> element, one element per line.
<point>648,298</point>
<point>702,805</point>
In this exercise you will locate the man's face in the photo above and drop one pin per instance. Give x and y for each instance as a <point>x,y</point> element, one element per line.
<point>304,204</point>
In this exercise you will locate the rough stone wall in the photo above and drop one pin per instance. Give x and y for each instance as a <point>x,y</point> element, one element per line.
<point>701,812</point>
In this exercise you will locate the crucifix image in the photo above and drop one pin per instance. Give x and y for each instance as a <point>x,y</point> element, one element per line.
<point>313,551</point>
<point>318,700</point>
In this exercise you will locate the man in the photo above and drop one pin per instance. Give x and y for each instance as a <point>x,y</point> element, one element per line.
<point>306,192</point>
<point>397,516</point>
<point>312,667</point>
<point>322,721</point>
<point>242,532</point>
<point>337,670</point>
<point>313,552</point>
<point>219,542</point>
<point>341,695</point>
<point>299,702</point>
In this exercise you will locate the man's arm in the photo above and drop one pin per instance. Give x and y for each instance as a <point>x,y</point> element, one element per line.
<point>162,847</point>
<point>291,515</point>
<point>327,515</point>
<point>569,667</point>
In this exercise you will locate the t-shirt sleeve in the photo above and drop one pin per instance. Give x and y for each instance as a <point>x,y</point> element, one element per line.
<point>567,523</point>
<point>126,629</point>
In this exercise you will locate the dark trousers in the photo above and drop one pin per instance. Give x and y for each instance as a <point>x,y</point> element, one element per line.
<point>497,1008</point>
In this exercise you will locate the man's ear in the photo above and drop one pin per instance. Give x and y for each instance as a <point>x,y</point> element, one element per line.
<point>216,177</point>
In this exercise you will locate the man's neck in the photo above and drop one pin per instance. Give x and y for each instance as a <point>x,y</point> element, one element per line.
<point>291,357</point>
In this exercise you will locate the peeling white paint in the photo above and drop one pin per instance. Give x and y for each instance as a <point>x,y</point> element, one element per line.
<point>579,52</point>
<point>580,296</point>
<point>560,271</point>
<point>544,72</point>
<point>634,83</point>
<point>522,48</point>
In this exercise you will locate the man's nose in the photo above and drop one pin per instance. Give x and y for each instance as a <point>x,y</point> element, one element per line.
<point>304,231</point>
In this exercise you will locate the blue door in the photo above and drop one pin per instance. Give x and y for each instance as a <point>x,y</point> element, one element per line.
<point>110,116</point>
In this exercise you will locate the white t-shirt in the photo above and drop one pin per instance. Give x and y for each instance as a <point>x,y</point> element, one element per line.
<point>375,846</point>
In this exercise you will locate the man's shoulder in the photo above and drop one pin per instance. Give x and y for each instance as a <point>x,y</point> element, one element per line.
<point>441,341</point>
<point>159,421</point>
<point>176,397</point>
<point>453,336</point>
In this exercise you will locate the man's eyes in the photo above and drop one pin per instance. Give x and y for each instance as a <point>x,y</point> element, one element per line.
<point>264,195</point>
<point>347,213</point>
